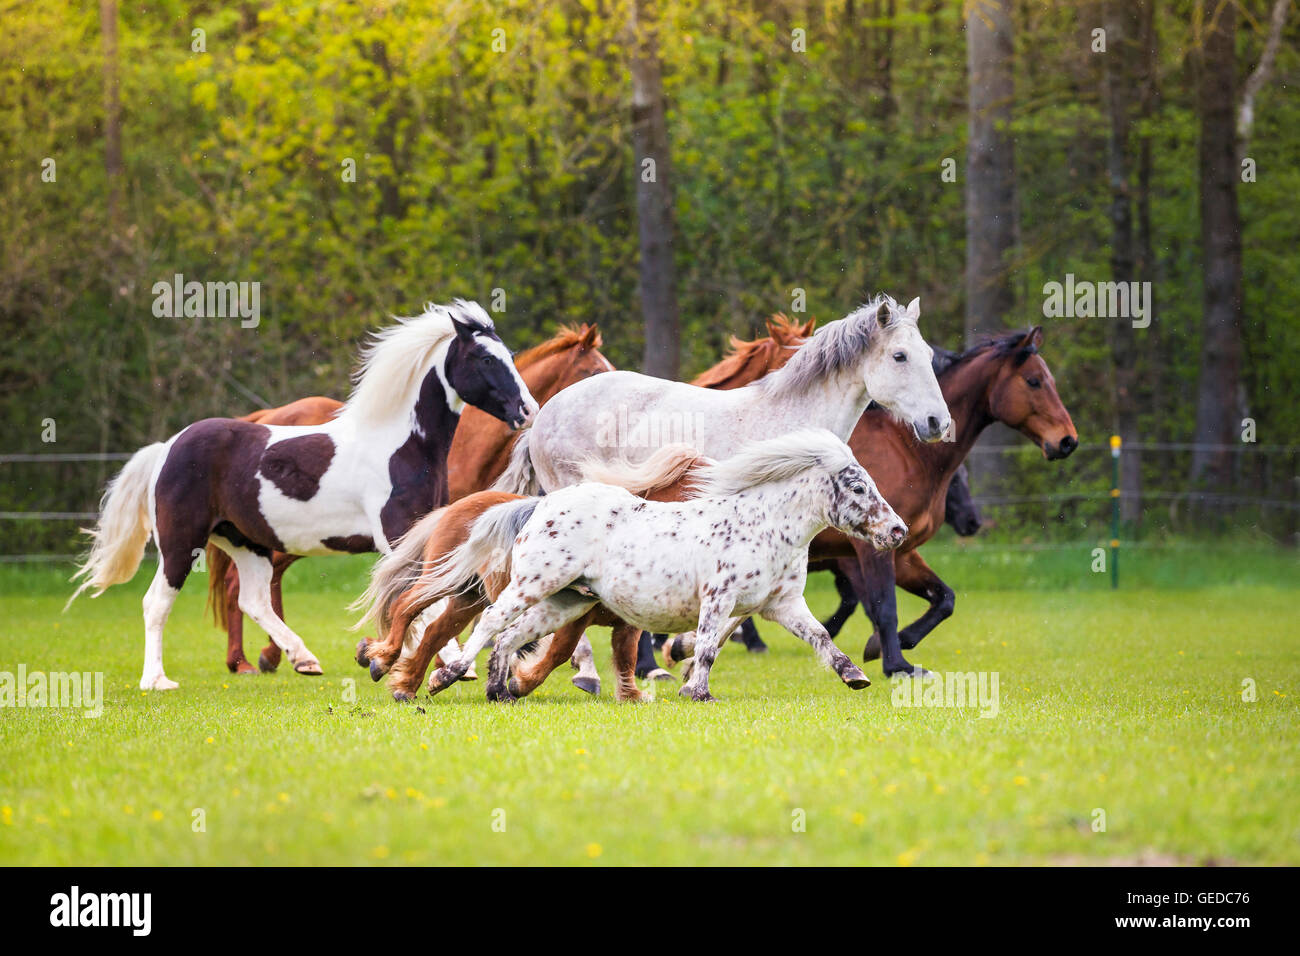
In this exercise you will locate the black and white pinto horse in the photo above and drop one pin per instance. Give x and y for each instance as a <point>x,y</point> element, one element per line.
<point>352,485</point>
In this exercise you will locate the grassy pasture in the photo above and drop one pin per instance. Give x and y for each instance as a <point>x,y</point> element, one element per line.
<point>1129,702</point>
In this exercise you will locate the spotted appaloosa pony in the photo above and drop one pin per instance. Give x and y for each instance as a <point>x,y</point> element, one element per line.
<point>354,484</point>
<point>739,548</point>
<point>1002,379</point>
<point>479,453</point>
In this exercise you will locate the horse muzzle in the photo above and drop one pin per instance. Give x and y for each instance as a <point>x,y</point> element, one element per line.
<point>1062,449</point>
<point>932,429</point>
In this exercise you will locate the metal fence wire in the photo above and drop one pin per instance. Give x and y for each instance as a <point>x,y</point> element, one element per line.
<point>1032,506</point>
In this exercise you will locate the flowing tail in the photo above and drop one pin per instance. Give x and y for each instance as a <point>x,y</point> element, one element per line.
<point>668,465</point>
<point>118,538</point>
<point>487,548</point>
<point>395,573</point>
<point>519,478</point>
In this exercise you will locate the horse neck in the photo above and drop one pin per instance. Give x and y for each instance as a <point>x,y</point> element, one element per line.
<point>798,519</point>
<point>835,402</point>
<point>435,414</point>
<point>548,376</point>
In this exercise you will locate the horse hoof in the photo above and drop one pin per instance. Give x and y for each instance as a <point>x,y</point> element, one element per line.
<point>159,683</point>
<point>703,697</point>
<point>265,666</point>
<point>500,695</point>
<point>667,652</point>
<point>858,683</point>
<point>440,680</point>
<point>377,671</point>
<point>470,673</point>
<point>308,668</point>
<point>403,696</point>
<point>659,674</point>
<point>757,647</point>
<point>243,668</point>
<point>361,658</point>
<point>591,685</point>
<point>512,687</point>
<point>872,651</point>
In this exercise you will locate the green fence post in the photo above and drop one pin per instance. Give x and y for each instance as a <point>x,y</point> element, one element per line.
<point>1115,444</point>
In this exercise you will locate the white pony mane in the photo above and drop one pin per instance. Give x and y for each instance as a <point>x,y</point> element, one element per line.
<point>395,359</point>
<point>835,346</point>
<point>774,459</point>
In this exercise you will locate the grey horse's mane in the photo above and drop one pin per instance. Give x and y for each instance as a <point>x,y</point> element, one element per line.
<point>775,459</point>
<point>835,346</point>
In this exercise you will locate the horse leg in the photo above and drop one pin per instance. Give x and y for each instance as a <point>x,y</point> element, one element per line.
<point>236,662</point>
<point>255,571</point>
<point>158,601</point>
<point>625,640</point>
<point>587,678</point>
<point>848,598</point>
<point>749,637</point>
<point>714,628</point>
<point>795,616</point>
<point>530,670</point>
<point>647,668</point>
<point>509,605</point>
<point>916,577</point>
<point>541,619</point>
<point>875,586</point>
<point>405,677</point>
<point>269,658</point>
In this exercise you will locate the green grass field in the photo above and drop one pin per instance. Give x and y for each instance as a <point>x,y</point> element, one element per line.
<point>1129,702</point>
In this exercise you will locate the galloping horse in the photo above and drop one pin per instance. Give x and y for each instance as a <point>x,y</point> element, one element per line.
<point>1001,379</point>
<point>738,547</point>
<point>479,453</point>
<point>352,485</point>
<point>874,354</point>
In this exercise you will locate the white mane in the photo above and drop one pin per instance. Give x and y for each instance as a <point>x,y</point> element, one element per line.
<point>776,459</point>
<point>836,345</point>
<point>396,359</point>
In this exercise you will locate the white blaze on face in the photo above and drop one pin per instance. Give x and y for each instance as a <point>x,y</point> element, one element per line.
<point>499,350</point>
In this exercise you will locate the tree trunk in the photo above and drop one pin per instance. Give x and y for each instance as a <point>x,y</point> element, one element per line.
<point>654,202</point>
<point>990,201</point>
<point>1216,399</point>
<point>990,167</point>
<point>1124,19</point>
<point>112,117</point>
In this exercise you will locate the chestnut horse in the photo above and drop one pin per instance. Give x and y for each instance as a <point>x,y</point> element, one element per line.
<point>479,452</point>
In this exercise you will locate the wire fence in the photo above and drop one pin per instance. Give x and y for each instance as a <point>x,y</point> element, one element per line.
<point>1036,506</point>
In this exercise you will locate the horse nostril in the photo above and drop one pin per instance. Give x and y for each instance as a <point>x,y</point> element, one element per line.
<point>933,422</point>
<point>897,533</point>
<point>1068,444</point>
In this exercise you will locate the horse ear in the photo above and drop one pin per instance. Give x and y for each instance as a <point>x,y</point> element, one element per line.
<point>883,315</point>
<point>1033,338</point>
<point>914,309</point>
<point>590,337</point>
<point>464,331</point>
<point>773,323</point>
<point>807,329</point>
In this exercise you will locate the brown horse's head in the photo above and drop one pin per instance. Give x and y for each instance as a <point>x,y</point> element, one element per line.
<point>1023,395</point>
<point>569,356</point>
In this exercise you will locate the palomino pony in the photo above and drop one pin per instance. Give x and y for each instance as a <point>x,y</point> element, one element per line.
<point>479,452</point>
<point>1002,379</point>
<point>352,485</point>
<point>739,548</point>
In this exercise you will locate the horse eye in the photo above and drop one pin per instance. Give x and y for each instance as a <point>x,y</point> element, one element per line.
<point>1033,382</point>
<point>900,356</point>
<point>859,489</point>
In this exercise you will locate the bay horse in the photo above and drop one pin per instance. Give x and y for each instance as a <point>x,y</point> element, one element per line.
<point>479,452</point>
<point>738,546</point>
<point>354,484</point>
<point>1002,379</point>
